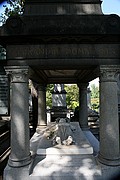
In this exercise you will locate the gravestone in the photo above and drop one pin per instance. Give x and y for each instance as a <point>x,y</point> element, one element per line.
<point>59,107</point>
<point>59,96</point>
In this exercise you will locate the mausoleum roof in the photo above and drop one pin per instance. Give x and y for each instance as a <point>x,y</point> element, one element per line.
<point>62,41</point>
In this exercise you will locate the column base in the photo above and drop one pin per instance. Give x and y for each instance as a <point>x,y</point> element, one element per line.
<point>84,128</point>
<point>108,162</point>
<point>42,124</point>
<point>40,128</point>
<point>16,173</point>
<point>19,163</point>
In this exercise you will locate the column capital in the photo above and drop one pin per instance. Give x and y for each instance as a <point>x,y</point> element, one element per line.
<point>17,73</point>
<point>82,85</point>
<point>41,87</point>
<point>108,73</point>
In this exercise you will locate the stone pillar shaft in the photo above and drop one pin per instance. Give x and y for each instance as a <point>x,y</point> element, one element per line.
<point>42,116</point>
<point>83,109</point>
<point>109,126</point>
<point>119,97</point>
<point>20,148</point>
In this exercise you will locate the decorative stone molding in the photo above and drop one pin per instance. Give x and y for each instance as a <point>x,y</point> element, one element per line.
<point>19,162</point>
<point>18,74</point>
<point>109,73</point>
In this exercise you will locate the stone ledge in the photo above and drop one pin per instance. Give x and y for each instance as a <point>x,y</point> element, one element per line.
<point>65,151</point>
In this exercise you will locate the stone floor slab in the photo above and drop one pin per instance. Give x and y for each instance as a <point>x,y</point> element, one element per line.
<point>68,163</point>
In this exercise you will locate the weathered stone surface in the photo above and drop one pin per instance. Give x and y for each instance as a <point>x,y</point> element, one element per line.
<point>72,51</point>
<point>63,7</point>
<point>109,123</point>
<point>20,150</point>
<point>62,24</point>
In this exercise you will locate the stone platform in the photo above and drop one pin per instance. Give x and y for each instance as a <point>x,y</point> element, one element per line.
<point>63,162</point>
<point>74,162</point>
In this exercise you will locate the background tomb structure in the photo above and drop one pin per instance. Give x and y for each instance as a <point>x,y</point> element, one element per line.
<point>59,106</point>
<point>58,41</point>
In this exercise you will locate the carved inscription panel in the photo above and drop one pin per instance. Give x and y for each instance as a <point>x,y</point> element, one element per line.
<point>63,51</point>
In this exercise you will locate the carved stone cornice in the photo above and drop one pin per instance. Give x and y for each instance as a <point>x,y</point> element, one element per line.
<point>17,74</point>
<point>109,73</point>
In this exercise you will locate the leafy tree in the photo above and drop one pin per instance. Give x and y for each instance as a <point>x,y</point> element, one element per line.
<point>94,91</point>
<point>13,7</point>
<point>72,96</point>
<point>94,97</point>
<point>49,91</point>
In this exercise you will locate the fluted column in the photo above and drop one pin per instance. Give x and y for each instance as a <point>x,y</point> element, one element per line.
<point>20,148</point>
<point>83,108</point>
<point>42,117</point>
<point>109,153</point>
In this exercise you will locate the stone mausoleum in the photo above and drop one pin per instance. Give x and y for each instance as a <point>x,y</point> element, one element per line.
<point>61,41</point>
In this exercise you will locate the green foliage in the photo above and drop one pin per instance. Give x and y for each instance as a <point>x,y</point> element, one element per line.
<point>95,103</point>
<point>13,7</point>
<point>94,97</point>
<point>94,91</point>
<point>72,96</point>
<point>49,91</point>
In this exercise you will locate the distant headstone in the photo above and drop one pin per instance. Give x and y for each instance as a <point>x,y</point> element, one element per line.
<point>59,96</point>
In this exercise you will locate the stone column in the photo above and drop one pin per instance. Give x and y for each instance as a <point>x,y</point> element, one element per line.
<point>83,108</point>
<point>34,93</point>
<point>89,98</point>
<point>20,148</point>
<point>42,116</point>
<point>119,97</point>
<point>109,153</point>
